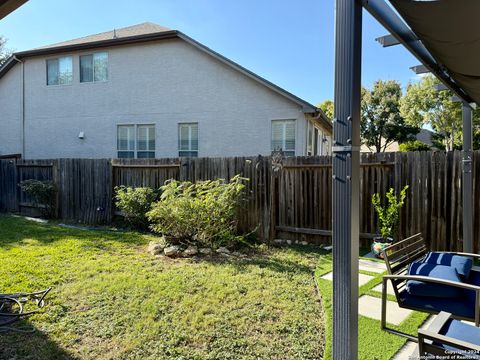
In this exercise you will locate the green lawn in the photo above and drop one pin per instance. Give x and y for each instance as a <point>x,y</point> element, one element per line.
<point>112,300</point>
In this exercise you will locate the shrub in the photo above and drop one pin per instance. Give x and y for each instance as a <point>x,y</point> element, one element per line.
<point>134,203</point>
<point>43,194</point>
<point>388,215</point>
<point>203,213</point>
<point>414,145</point>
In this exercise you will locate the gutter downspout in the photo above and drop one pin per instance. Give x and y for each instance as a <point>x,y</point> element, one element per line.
<point>23,104</point>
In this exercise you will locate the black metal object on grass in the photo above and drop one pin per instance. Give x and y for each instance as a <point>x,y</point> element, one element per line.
<point>12,308</point>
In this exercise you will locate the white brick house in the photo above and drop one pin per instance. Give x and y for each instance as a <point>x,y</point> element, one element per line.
<point>147,91</point>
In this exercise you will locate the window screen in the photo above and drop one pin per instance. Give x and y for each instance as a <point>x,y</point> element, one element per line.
<point>188,139</point>
<point>60,71</point>
<point>283,136</point>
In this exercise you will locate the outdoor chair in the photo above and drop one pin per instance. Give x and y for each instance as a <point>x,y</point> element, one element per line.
<point>447,338</point>
<point>434,293</point>
<point>12,308</point>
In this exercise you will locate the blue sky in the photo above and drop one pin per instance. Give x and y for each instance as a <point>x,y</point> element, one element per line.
<point>290,43</point>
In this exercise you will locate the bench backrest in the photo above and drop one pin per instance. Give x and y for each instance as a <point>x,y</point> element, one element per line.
<point>401,254</point>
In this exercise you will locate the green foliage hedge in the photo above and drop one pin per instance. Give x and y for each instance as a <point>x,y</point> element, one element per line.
<point>134,203</point>
<point>202,213</point>
<point>43,194</point>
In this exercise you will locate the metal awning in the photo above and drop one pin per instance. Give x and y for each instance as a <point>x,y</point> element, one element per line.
<point>440,35</point>
<point>7,6</point>
<point>450,31</point>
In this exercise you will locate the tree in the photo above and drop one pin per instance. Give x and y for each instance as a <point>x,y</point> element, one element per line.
<point>423,104</point>
<point>4,52</point>
<point>327,107</point>
<point>382,124</point>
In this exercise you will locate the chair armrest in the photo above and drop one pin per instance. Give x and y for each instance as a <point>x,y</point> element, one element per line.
<point>433,333</point>
<point>437,281</point>
<point>433,280</point>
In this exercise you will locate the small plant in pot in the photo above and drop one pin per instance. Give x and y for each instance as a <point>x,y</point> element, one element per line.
<point>387,218</point>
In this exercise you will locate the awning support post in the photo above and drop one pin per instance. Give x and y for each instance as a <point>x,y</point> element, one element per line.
<point>467,188</point>
<point>346,183</point>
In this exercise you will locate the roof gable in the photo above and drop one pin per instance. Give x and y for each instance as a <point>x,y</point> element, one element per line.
<point>126,32</point>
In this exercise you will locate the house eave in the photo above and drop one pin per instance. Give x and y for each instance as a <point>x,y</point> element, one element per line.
<point>8,6</point>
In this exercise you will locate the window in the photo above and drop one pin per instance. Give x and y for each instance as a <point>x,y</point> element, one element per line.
<point>310,144</point>
<point>145,141</point>
<point>316,141</point>
<point>136,141</point>
<point>283,136</point>
<point>188,139</point>
<point>94,67</point>
<point>59,71</point>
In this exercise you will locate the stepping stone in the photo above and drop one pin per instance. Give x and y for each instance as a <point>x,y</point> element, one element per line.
<point>362,278</point>
<point>371,266</point>
<point>390,290</point>
<point>371,307</point>
<point>408,351</point>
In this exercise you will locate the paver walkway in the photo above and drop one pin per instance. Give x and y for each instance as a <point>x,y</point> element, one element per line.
<point>371,306</point>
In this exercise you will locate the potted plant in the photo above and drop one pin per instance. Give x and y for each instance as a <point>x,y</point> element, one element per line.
<point>387,218</point>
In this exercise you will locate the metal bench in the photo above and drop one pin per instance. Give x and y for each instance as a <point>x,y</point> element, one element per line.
<point>398,257</point>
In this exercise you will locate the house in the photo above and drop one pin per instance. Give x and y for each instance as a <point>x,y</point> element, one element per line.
<point>147,91</point>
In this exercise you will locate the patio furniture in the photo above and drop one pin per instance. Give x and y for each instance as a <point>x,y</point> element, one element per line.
<point>458,296</point>
<point>449,338</point>
<point>12,307</point>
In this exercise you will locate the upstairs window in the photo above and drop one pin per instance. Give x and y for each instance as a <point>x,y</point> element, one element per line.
<point>135,141</point>
<point>188,139</point>
<point>283,136</point>
<point>60,71</point>
<point>94,67</point>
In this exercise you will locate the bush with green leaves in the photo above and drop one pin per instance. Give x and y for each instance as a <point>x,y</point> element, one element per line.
<point>388,215</point>
<point>134,203</point>
<point>43,194</point>
<point>414,145</point>
<point>201,213</point>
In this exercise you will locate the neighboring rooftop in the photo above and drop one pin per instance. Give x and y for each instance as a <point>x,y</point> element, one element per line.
<point>135,30</point>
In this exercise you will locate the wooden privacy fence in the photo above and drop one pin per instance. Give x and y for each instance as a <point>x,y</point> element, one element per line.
<point>291,198</point>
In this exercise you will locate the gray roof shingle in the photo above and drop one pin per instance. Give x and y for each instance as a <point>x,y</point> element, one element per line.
<point>135,30</point>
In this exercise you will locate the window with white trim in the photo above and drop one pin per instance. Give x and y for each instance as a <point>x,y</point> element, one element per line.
<point>94,67</point>
<point>283,136</point>
<point>135,141</point>
<point>60,71</point>
<point>188,139</point>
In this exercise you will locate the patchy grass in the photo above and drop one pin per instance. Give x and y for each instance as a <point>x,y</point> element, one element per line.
<point>373,343</point>
<point>111,300</point>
